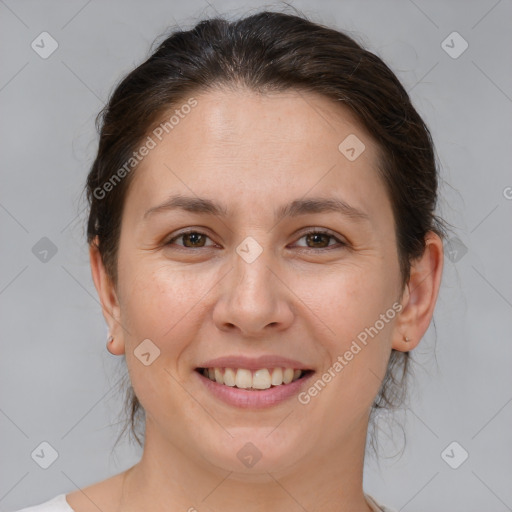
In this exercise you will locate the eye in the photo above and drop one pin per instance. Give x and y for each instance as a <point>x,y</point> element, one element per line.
<point>319,238</point>
<point>191,239</point>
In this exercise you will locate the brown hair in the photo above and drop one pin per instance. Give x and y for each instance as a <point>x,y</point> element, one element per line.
<point>271,52</point>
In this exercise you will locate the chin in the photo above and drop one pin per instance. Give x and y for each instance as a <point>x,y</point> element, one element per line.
<point>252,453</point>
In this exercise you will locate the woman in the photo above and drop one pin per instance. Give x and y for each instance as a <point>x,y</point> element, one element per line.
<point>264,243</point>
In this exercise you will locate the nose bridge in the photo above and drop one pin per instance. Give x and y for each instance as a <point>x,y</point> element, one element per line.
<point>252,297</point>
<point>252,263</point>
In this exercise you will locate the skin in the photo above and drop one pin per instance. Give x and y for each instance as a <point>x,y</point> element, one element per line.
<point>252,153</point>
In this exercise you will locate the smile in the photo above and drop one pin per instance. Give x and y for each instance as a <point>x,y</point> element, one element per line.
<point>253,389</point>
<point>243,378</point>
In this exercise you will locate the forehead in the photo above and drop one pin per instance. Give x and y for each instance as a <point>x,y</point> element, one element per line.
<point>239,146</point>
<point>241,117</point>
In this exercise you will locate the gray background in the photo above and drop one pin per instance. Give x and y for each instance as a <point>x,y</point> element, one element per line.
<point>58,383</point>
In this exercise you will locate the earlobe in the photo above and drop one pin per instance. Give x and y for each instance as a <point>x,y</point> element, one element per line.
<point>420,295</point>
<point>116,349</point>
<point>108,299</point>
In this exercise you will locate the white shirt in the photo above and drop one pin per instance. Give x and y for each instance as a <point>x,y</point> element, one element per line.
<point>59,504</point>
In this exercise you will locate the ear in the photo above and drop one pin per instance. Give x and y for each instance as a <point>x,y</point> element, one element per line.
<point>420,295</point>
<point>108,299</point>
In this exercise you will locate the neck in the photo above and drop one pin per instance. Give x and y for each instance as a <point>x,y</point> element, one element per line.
<point>168,478</point>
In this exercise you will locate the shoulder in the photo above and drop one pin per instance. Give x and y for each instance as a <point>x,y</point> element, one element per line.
<point>103,495</point>
<point>376,506</point>
<point>56,504</point>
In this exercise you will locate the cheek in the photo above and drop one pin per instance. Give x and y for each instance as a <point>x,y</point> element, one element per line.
<point>159,300</point>
<point>348,299</point>
<point>356,308</point>
<point>160,304</point>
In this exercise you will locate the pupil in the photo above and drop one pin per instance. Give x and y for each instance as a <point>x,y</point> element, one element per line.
<point>315,235</point>
<point>193,236</point>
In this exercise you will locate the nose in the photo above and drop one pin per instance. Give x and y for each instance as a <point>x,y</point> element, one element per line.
<point>254,298</point>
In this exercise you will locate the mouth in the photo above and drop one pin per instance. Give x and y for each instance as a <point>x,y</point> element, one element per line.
<point>254,380</point>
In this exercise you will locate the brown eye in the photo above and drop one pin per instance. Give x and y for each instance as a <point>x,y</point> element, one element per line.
<point>320,240</point>
<point>191,239</point>
<point>195,239</point>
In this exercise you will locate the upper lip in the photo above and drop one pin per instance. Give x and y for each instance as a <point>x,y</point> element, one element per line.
<point>254,363</point>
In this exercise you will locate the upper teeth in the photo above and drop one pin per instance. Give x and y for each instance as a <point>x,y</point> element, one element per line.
<point>259,379</point>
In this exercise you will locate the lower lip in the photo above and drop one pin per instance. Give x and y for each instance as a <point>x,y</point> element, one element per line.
<point>246,399</point>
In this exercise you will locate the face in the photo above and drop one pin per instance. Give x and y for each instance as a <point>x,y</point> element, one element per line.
<point>250,283</point>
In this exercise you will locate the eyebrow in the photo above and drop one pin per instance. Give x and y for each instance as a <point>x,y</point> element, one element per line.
<point>293,209</point>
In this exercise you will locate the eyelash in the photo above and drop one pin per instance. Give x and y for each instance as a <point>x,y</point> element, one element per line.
<point>313,232</point>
